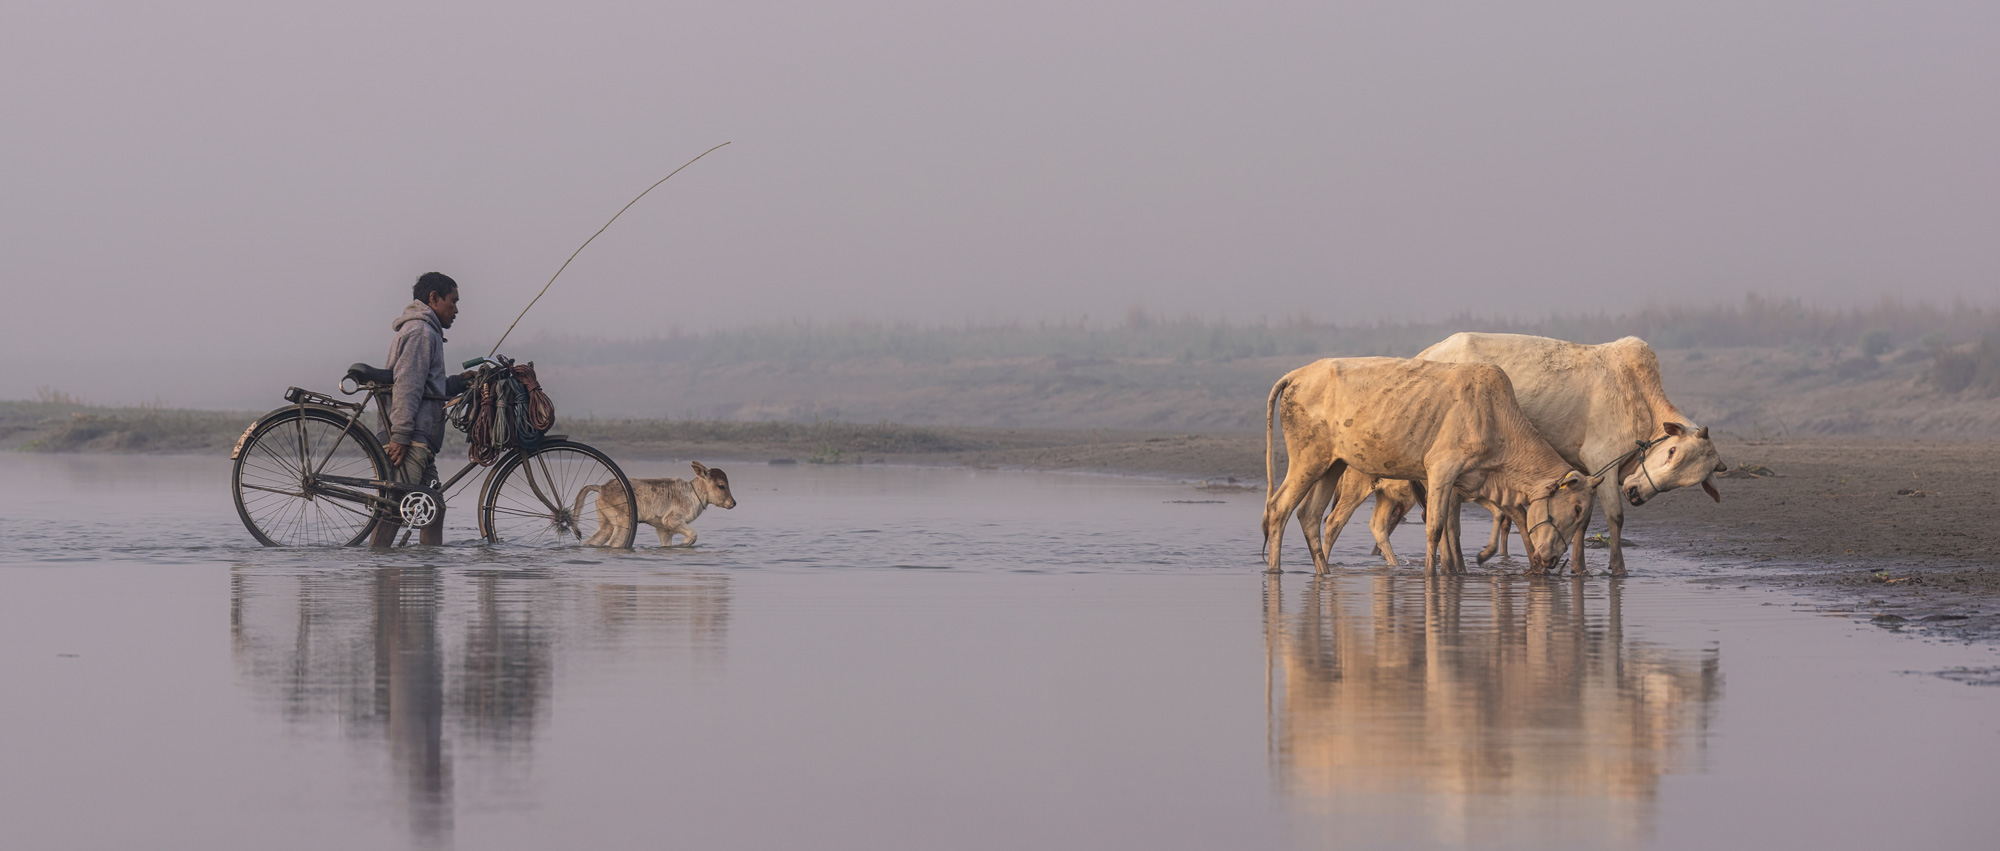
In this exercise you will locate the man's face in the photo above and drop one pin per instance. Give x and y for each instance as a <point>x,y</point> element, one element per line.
<point>446,307</point>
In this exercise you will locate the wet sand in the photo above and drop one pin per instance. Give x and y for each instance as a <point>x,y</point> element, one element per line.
<point>1907,529</point>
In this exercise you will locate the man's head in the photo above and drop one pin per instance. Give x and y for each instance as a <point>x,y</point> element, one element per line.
<point>440,293</point>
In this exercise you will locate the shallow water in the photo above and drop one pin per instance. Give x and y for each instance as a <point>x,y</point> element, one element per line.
<point>912,658</point>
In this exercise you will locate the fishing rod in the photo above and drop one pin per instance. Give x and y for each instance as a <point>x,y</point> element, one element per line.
<point>586,244</point>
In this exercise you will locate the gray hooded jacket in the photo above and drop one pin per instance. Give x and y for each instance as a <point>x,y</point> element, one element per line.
<point>416,409</point>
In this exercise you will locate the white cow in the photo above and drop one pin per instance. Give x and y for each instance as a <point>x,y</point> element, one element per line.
<point>1455,427</point>
<point>1598,406</point>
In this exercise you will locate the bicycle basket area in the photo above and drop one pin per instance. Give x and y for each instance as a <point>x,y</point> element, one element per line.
<point>502,408</point>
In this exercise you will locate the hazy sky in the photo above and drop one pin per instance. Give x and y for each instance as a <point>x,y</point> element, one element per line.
<point>244,191</point>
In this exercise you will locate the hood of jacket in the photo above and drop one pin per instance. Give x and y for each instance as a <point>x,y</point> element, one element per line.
<point>414,311</point>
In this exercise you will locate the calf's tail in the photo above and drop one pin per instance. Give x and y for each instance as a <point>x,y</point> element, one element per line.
<point>587,490</point>
<point>1270,452</point>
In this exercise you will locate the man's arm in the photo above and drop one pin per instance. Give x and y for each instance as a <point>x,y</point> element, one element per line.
<point>412,369</point>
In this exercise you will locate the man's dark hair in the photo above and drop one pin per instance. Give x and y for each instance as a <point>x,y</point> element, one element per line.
<point>433,283</point>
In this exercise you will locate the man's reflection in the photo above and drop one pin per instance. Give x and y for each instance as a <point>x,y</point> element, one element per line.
<point>1475,705</point>
<point>444,666</point>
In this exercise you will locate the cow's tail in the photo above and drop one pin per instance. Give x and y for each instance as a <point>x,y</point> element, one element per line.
<point>1271,452</point>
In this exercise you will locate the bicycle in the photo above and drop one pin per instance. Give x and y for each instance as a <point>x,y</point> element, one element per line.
<point>308,474</point>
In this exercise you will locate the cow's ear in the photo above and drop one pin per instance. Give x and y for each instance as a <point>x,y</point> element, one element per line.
<point>1703,434</point>
<point>1709,485</point>
<point>700,469</point>
<point>1675,429</point>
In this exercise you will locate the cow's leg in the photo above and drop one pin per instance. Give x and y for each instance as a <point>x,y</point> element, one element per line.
<point>1440,510</point>
<point>1351,488</point>
<point>1614,525</point>
<point>1576,564</point>
<point>1497,544</point>
<point>1306,469</point>
<point>1453,534</point>
<point>1311,513</point>
<point>665,532</point>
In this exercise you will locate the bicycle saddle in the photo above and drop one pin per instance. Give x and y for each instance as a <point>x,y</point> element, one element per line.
<point>365,374</point>
<point>362,373</point>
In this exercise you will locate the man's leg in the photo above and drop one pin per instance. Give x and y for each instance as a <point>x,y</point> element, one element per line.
<point>426,472</point>
<point>419,467</point>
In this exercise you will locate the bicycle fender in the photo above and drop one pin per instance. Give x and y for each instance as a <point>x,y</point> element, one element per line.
<point>244,438</point>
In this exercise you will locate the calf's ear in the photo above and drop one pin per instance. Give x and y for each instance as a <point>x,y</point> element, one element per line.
<point>700,469</point>
<point>1709,485</point>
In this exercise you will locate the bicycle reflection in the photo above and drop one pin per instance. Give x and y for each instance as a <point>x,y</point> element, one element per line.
<point>448,671</point>
<point>1487,710</point>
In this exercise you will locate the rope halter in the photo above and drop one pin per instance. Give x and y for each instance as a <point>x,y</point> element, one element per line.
<point>1640,448</point>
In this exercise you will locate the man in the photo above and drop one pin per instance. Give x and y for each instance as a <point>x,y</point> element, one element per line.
<point>416,408</point>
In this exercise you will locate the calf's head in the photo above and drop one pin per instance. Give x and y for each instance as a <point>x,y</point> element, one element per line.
<point>1685,456</point>
<point>712,485</point>
<point>1554,516</point>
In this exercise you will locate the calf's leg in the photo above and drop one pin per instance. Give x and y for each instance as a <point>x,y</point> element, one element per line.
<point>1388,513</point>
<point>1310,515</point>
<point>1353,488</point>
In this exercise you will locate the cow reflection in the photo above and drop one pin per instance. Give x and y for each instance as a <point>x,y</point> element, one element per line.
<point>449,671</point>
<point>1504,708</point>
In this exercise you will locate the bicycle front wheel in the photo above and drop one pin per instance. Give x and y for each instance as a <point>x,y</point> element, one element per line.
<point>281,480</point>
<point>558,494</point>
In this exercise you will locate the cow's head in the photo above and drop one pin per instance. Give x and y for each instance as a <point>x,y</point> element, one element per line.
<point>1554,516</point>
<point>1685,456</point>
<point>712,485</point>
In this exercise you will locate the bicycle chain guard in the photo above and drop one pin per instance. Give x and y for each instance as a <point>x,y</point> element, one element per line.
<point>420,508</point>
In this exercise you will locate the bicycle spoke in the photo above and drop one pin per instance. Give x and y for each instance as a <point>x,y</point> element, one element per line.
<point>534,502</point>
<point>274,490</point>
<point>276,472</point>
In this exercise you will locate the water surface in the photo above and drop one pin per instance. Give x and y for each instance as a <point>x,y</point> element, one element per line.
<point>910,658</point>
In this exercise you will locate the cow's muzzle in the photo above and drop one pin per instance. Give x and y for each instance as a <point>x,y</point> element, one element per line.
<point>1632,495</point>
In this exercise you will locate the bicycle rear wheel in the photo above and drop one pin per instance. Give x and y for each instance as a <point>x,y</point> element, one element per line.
<point>277,480</point>
<point>543,498</point>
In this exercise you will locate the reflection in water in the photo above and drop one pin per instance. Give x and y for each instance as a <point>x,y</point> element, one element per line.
<point>437,666</point>
<point>1498,710</point>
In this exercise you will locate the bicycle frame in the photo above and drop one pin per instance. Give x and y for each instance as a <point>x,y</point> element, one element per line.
<point>362,491</point>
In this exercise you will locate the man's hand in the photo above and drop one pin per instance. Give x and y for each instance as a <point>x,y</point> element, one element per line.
<point>396,453</point>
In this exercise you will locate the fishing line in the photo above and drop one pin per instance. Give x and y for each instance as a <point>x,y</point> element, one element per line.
<point>586,244</point>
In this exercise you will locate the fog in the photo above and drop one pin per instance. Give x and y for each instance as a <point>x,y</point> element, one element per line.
<point>207,201</point>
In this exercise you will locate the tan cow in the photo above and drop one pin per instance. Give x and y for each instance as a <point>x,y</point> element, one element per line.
<point>1596,405</point>
<point>1454,427</point>
<point>668,505</point>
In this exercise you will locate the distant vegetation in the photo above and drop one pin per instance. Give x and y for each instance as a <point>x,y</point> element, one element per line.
<point>1753,323</point>
<point>60,423</point>
<point>1976,369</point>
